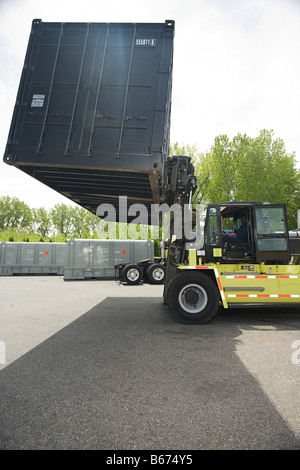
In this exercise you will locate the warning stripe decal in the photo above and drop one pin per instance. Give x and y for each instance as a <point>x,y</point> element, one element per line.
<point>219,284</point>
<point>276,296</point>
<point>249,276</point>
<point>262,277</point>
<point>217,278</point>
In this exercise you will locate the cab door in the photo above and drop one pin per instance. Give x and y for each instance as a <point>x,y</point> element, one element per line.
<point>213,234</point>
<point>271,233</point>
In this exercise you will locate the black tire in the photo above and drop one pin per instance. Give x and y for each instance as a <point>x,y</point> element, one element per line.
<point>156,273</point>
<point>132,274</point>
<point>193,298</point>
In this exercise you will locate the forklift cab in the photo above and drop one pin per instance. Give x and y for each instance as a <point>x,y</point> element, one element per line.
<point>246,231</point>
<point>237,232</point>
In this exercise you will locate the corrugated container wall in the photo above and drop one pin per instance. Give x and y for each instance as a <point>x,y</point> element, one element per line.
<point>97,258</point>
<point>32,258</point>
<point>92,115</point>
<point>75,259</point>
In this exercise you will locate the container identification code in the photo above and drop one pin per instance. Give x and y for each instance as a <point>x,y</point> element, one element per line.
<point>145,42</point>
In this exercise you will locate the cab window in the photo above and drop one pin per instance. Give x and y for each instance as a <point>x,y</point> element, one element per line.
<point>212,237</point>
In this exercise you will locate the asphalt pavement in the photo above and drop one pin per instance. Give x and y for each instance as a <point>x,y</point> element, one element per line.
<point>101,365</point>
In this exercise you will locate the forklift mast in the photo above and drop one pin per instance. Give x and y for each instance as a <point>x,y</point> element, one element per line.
<point>180,184</point>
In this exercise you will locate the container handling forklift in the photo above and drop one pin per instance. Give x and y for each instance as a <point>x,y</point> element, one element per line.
<point>263,270</point>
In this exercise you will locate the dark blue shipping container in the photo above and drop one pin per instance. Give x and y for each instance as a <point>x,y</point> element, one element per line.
<point>92,115</point>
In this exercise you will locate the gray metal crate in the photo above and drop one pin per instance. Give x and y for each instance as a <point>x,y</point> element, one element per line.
<point>32,258</point>
<point>87,259</point>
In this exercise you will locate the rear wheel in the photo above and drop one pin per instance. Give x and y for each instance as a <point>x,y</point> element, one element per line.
<point>156,273</point>
<point>132,274</point>
<point>193,298</point>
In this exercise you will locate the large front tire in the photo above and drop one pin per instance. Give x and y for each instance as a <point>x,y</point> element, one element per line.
<point>193,298</point>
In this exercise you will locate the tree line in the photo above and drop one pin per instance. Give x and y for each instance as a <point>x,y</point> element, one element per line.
<point>19,222</point>
<point>246,169</point>
<point>238,169</point>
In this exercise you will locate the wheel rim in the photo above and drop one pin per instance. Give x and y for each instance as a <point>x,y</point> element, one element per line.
<point>192,298</point>
<point>133,274</point>
<point>158,274</point>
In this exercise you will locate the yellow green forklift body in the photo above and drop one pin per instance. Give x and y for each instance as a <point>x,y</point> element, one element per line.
<point>253,283</point>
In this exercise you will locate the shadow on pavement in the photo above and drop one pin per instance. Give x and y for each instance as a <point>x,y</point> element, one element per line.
<point>126,376</point>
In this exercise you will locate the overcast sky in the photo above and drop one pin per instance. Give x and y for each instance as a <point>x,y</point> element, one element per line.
<point>236,69</point>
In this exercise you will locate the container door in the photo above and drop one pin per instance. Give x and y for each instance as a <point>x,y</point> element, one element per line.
<point>271,233</point>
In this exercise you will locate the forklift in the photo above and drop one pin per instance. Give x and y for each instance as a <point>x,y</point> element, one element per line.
<point>222,268</point>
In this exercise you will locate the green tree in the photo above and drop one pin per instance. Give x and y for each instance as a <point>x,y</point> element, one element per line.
<point>41,221</point>
<point>91,222</point>
<point>14,214</point>
<point>84,223</point>
<point>249,169</point>
<point>185,150</point>
<point>77,221</point>
<point>61,218</point>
